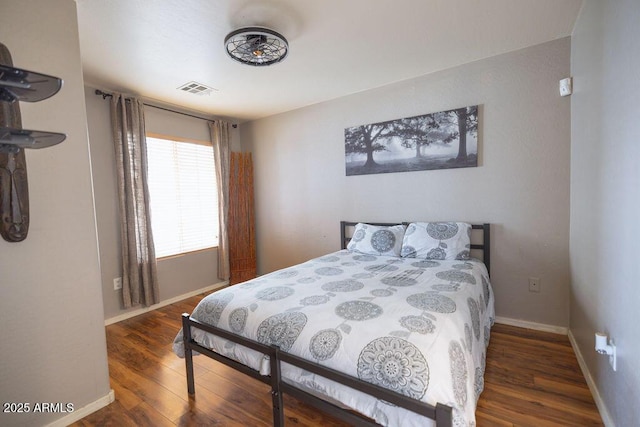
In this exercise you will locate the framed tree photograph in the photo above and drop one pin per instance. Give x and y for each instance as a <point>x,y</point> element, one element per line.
<point>442,140</point>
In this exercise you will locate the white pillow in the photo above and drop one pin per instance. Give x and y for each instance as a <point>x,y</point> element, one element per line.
<point>377,240</point>
<point>437,240</point>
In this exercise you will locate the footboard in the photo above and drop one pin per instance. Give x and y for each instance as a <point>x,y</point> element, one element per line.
<point>442,414</point>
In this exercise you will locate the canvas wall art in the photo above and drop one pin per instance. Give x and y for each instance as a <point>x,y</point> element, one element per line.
<point>442,140</point>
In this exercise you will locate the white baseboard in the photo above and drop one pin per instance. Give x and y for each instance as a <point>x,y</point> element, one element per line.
<point>602,408</point>
<point>164,303</point>
<point>604,413</point>
<point>562,330</point>
<point>84,411</point>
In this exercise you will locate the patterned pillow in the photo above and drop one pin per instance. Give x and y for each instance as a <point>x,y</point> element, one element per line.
<point>437,240</point>
<point>377,240</point>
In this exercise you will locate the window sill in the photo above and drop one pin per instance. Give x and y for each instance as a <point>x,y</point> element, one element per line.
<point>186,253</point>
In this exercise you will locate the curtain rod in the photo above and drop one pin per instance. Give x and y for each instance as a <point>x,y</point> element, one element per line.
<point>106,95</point>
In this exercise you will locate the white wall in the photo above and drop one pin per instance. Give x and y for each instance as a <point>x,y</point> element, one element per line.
<point>521,185</point>
<point>605,198</point>
<point>53,341</point>
<point>176,275</point>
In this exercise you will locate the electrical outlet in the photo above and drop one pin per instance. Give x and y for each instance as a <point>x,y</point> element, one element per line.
<point>534,284</point>
<point>117,283</point>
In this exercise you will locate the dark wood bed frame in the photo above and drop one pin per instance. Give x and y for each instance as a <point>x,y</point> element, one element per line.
<point>441,413</point>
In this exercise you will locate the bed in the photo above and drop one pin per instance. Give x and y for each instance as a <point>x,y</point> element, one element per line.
<point>390,330</point>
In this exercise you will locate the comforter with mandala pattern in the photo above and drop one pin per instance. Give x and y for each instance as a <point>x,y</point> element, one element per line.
<point>417,327</point>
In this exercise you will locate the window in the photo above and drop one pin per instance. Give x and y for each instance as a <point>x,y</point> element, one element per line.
<point>183,195</point>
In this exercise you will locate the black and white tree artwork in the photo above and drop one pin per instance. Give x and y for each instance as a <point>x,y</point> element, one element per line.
<point>442,140</point>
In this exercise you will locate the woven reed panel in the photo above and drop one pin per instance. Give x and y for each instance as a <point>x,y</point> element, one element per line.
<point>242,240</point>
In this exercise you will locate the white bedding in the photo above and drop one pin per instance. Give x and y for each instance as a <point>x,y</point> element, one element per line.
<point>418,327</point>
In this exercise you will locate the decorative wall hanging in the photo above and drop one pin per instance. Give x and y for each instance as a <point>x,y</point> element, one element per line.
<point>19,85</point>
<point>442,140</point>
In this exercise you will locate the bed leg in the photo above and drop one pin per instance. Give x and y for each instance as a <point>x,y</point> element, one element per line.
<point>443,415</point>
<point>188,354</point>
<point>276,394</point>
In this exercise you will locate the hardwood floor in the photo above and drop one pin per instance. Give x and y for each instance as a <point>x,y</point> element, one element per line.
<point>532,379</point>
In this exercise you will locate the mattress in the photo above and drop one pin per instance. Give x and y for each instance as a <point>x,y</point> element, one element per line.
<point>418,327</point>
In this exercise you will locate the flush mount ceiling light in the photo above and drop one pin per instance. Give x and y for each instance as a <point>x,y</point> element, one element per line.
<point>256,46</point>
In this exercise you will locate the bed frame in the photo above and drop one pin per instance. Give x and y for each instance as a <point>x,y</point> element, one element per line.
<point>442,414</point>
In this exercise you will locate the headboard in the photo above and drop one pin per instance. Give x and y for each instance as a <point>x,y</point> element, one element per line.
<point>484,245</point>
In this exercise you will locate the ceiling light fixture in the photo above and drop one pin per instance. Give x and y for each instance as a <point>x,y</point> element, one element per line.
<point>256,46</point>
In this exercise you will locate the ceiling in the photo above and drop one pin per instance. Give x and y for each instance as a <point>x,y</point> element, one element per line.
<point>337,47</point>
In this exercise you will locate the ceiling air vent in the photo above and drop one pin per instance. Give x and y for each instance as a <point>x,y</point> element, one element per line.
<point>197,88</point>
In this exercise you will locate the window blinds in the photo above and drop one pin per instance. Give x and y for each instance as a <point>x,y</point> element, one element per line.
<point>183,196</point>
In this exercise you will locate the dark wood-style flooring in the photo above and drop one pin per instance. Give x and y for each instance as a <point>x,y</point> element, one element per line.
<point>532,379</point>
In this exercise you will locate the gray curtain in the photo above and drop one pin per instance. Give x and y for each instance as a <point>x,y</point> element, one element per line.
<point>221,149</point>
<point>139,274</point>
